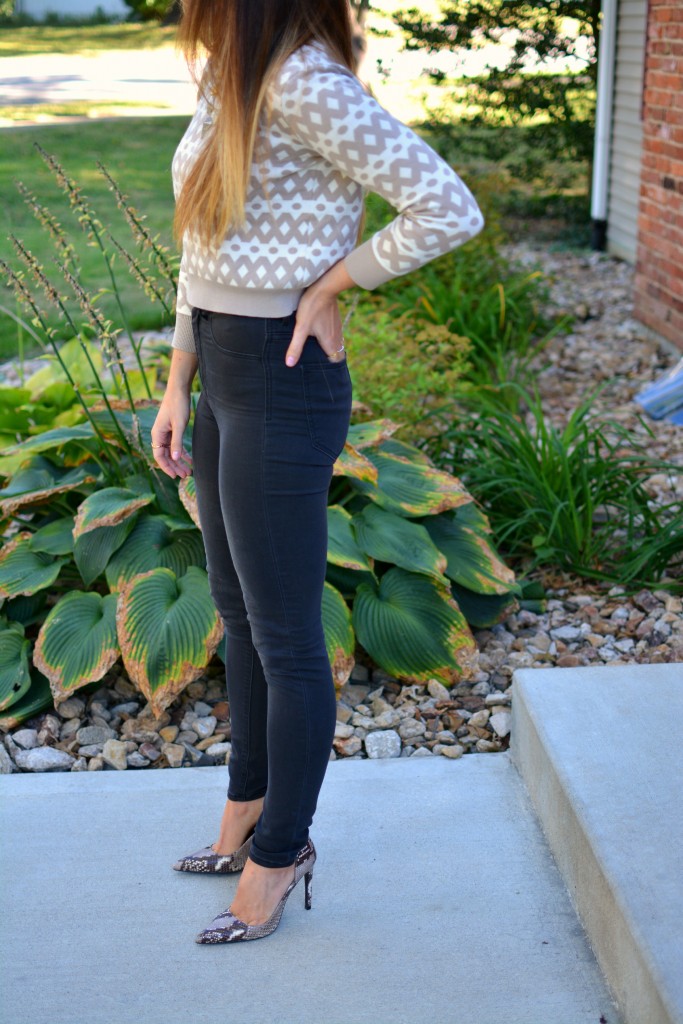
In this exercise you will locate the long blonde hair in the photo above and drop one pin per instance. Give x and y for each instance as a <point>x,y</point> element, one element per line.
<point>246,41</point>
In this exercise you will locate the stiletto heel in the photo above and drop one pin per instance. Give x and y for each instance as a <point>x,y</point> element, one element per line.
<point>207,861</point>
<point>228,928</point>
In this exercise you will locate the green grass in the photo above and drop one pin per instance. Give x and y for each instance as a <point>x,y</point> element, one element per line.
<point>28,39</point>
<point>138,153</point>
<point>42,112</point>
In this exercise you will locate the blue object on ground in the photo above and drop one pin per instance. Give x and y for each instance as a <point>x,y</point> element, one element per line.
<point>664,398</point>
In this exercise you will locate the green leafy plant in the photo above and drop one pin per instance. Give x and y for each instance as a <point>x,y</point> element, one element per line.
<point>509,91</point>
<point>151,10</point>
<point>571,497</point>
<point>497,308</point>
<point>405,369</point>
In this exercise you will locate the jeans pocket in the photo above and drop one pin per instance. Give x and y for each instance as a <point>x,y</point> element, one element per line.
<point>328,395</point>
<point>235,335</point>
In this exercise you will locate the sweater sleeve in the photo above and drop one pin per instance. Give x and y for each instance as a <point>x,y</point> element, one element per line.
<point>183,336</point>
<point>328,110</point>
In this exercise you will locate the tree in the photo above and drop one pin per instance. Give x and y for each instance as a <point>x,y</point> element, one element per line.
<point>511,93</point>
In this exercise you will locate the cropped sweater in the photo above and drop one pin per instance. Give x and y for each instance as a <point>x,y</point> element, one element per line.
<point>328,141</point>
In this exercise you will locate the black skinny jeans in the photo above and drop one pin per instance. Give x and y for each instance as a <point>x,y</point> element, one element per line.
<point>264,440</point>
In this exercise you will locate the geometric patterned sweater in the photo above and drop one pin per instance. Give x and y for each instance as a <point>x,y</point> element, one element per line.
<point>328,142</point>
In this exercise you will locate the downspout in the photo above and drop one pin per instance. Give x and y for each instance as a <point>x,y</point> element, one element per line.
<point>603,123</point>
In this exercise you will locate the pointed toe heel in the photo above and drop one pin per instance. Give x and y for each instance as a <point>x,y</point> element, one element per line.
<point>228,928</point>
<point>206,861</point>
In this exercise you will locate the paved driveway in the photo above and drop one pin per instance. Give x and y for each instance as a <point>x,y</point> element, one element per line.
<point>156,77</point>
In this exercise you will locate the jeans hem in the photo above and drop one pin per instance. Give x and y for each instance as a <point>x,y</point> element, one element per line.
<point>272,860</point>
<point>245,799</point>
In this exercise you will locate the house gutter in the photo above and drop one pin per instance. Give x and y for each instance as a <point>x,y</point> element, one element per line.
<point>603,124</point>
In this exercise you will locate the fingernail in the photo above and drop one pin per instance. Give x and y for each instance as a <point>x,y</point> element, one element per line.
<point>290,360</point>
<point>176,455</point>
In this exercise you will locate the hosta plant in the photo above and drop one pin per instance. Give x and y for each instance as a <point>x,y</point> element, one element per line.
<point>100,573</point>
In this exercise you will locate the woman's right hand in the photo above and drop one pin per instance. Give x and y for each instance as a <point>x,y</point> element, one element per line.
<point>168,430</point>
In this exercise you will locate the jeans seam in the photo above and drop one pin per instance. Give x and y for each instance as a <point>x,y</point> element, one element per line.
<point>319,445</point>
<point>284,607</point>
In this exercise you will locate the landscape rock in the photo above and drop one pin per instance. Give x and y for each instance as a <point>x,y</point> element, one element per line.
<point>26,738</point>
<point>114,753</point>
<point>383,743</point>
<point>72,707</point>
<point>90,734</point>
<point>44,759</point>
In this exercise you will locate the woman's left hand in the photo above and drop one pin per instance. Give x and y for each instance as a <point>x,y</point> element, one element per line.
<point>318,315</point>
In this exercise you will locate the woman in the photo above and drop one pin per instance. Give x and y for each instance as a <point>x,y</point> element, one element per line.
<point>269,181</point>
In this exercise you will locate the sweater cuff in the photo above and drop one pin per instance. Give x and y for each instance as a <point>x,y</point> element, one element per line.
<point>364,267</point>
<point>183,336</point>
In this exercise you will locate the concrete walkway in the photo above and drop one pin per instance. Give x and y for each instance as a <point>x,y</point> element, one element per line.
<point>435,898</point>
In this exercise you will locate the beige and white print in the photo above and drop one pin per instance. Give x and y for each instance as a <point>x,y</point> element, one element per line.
<point>327,143</point>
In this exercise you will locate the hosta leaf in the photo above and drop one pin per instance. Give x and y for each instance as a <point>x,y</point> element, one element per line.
<point>56,538</point>
<point>26,608</point>
<point>37,698</point>
<point>40,483</point>
<point>15,677</point>
<point>412,627</point>
<point>339,637</point>
<point>152,544</point>
<point>342,546</point>
<point>391,538</point>
<point>68,418</point>
<point>13,398</point>
<point>23,571</point>
<point>51,439</point>
<point>77,643</point>
<point>59,395</point>
<point>168,630</point>
<point>471,515</point>
<point>93,550</point>
<point>363,435</point>
<point>136,381</point>
<point>74,357</point>
<point>12,420</point>
<point>166,491</point>
<point>108,507</point>
<point>472,561</point>
<point>353,463</point>
<point>146,410</point>
<point>411,488</point>
<point>395,447</point>
<point>484,610</point>
<point>187,492</point>
<point>346,580</point>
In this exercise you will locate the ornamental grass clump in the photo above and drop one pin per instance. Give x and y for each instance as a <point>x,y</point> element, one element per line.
<point>572,497</point>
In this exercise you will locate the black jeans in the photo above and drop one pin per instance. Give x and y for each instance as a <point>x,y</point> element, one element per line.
<point>264,441</point>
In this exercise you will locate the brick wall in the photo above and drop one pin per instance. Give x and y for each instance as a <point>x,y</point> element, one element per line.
<point>659,263</point>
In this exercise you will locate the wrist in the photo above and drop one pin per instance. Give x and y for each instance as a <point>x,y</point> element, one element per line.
<point>181,374</point>
<point>334,281</point>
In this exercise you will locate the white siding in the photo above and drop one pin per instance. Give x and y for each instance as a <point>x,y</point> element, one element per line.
<point>627,131</point>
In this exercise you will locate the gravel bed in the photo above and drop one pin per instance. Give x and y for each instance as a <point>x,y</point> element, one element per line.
<point>584,623</point>
<point>377,716</point>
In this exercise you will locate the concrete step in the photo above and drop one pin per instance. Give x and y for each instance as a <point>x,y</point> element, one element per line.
<point>600,753</point>
<point>435,898</point>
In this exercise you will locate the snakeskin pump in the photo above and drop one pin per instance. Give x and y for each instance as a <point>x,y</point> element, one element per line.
<point>207,861</point>
<point>228,928</point>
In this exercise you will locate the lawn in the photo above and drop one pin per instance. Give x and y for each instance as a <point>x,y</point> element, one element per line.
<point>138,153</point>
<point>25,40</point>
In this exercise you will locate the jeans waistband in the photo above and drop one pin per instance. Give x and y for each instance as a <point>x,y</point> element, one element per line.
<point>248,320</point>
